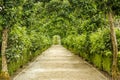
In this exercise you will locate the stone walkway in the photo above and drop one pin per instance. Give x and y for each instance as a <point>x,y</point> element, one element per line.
<point>57,63</point>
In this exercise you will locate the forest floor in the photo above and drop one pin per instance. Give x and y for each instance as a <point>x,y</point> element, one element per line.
<point>57,63</point>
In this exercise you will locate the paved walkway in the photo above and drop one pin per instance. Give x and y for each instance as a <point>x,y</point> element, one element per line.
<point>57,63</point>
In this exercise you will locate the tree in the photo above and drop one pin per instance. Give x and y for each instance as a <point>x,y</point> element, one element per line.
<point>10,14</point>
<point>111,8</point>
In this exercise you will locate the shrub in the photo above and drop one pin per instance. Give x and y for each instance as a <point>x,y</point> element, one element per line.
<point>23,47</point>
<point>95,47</point>
<point>107,61</point>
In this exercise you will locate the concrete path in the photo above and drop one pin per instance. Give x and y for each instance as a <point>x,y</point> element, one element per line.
<point>57,63</point>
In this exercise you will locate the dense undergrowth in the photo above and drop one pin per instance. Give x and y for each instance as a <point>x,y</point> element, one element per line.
<point>94,47</point>
<point>23,46</point>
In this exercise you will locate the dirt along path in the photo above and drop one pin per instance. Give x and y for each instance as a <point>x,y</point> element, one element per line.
<point>57,63</point>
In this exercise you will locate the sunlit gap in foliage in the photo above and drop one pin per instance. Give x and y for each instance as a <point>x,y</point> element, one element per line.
<point>56,40</point>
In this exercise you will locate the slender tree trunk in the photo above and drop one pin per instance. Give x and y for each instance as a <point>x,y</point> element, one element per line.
<point>4,74</point>
<point>114,46</point>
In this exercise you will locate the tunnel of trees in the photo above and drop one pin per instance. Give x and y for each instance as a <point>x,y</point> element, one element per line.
<point>89,28</point>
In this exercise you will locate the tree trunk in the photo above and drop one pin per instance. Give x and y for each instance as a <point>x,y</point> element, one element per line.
<point>114,46</point>
<point>4,75</point>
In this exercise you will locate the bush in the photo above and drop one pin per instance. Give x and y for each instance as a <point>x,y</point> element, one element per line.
<point>97,60</point>
<point>107,61</point>
<point>94,47</point>
<point>23,47</point>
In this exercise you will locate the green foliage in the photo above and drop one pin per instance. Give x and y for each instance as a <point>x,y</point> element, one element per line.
<point>56,40</point>
<point>79,23</point>
<point>23,47</point>
<point>118,38</point>
<point>25,41</point>
<point>108,5</point>
<point>96,49</point>
<point>97,60</point>
<point>119,61</point>
<point>107,59</point>
<point>76,42</point>
<point>11,12</point>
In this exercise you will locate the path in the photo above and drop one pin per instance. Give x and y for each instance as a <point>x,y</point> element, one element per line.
<point>57,63</point>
